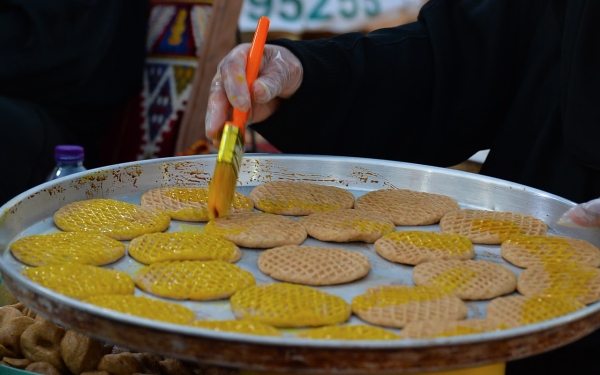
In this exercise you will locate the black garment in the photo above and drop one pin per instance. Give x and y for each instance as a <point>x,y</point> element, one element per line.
<point>65,67</point>
<point>521,78</point>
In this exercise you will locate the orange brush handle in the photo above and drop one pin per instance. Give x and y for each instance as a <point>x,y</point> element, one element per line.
<point>252,66</point>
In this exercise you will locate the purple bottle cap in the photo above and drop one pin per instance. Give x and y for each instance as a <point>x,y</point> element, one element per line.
<point>68,153</point>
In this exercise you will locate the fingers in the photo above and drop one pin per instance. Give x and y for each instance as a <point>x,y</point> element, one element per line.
<point>586,214</point>
<point>217,110</point>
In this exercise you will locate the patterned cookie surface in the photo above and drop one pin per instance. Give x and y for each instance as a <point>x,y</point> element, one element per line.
<point>349,332</point>
<point>447,328</point>
<point>189,203</point>
<point>515,311</point>
<point>238,326</point>
<point>467,279</point>
<point>563,280</point>
<point>415,247</point>
<point>313,265</point>
<point>289,305</point>
<point>491,227</point>
<point>80,280</point>
<point>67,247</point>
<point>397,305</point>
<point>257,230</point>
<point>528,251</point>
<point>194,280</point>
<point>299,198</point>
<point>347,225</point>
<point>160,247</point>
<point>116,219</point>
<point>407,207</point>
<point>144,308</point>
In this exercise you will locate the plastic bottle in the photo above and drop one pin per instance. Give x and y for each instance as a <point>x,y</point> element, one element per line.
<point>69,160</point>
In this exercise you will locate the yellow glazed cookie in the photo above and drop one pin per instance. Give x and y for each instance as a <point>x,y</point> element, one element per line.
<point>528,251</point>
<point>446,328</point>
<point>515,311</point>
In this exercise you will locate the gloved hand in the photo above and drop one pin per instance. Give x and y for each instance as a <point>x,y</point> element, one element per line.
<point>584,215</point>
<point>279,78</point>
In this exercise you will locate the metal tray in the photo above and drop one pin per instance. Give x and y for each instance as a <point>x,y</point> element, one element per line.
<point>31,213</point>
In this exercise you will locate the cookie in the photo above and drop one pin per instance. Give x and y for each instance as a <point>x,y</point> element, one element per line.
<point>415,247</point>
<point>189,203</point>
<point>446,328</point>
<point>67,247</point>
<point>349,332</point>
<point>144,307</point>
<point>563,280</point>
<point>313,265</point>
<point>115,219</point>
<point>491,227</point>
<point>467,279</point>
<point>398,305</point>
<point>299,198</point>
<point>529,251</point>
<point>238,326</point>
<point>160,247</point>
<point>407,207</point>
<point>257,230</point>
<point>515,311</point>
<point>79,280</point>
<point>347,225</point>
<point>289,305</point>
<point>193,280</point>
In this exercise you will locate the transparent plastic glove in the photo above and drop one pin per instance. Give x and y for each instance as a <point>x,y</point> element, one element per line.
<point>279,78</point>
<point>583,215</point>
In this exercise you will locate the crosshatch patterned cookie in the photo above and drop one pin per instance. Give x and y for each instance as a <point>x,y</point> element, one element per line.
<point>446,328</point>
<point>80,280</point>
<point>144,307</point>
<point>313,265</point>
<point>289,305</point>
<point>116,219</point>
<point>398,305</point>
<point>564,280</point>
<point>67,247</point>
<point>407,207</point>
<point>528,251</point>
<point>160,247</point>
<point>415,247</point>
<point>515,311</point>
<point>238,326</point>
<point>193,280</point>
<point>491,227</point>
<point>257,230</point>
<point>347,225</point>
<point>349,332</point>
<point>467,279</point>
<point>189,203</point>
<point>299,198</point>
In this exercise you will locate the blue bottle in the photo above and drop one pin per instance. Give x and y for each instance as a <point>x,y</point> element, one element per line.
<point>69,160</point>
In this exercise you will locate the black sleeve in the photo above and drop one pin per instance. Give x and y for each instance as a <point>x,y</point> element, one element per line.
<point>431,92</point>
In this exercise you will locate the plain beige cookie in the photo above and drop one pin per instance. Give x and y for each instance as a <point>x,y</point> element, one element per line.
<point>564,280</point>
<point>313,265</point>
<point>491,227</point>
<point>113,218</point>
<point>529,251</point>
<point>299,198</point>
<point>515,311</point>
<point>398,305</point>
<point>257,230</point>
<point>407,207</point>
<point>347,225</point>
<point>467,279</point>
<point>189,203</point>
<point>416,247</point>
<point>446,328</point>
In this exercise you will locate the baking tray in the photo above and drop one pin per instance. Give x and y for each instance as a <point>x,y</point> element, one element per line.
<point>31,213</point>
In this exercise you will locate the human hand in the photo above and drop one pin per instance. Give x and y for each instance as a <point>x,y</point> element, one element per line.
<point>584,214</point>
<point>279,78</point>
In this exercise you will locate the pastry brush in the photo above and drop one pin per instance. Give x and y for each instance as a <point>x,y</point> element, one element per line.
<point>231,149</point>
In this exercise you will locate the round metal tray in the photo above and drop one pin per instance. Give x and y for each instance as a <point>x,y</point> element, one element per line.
<point>31,213</point>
